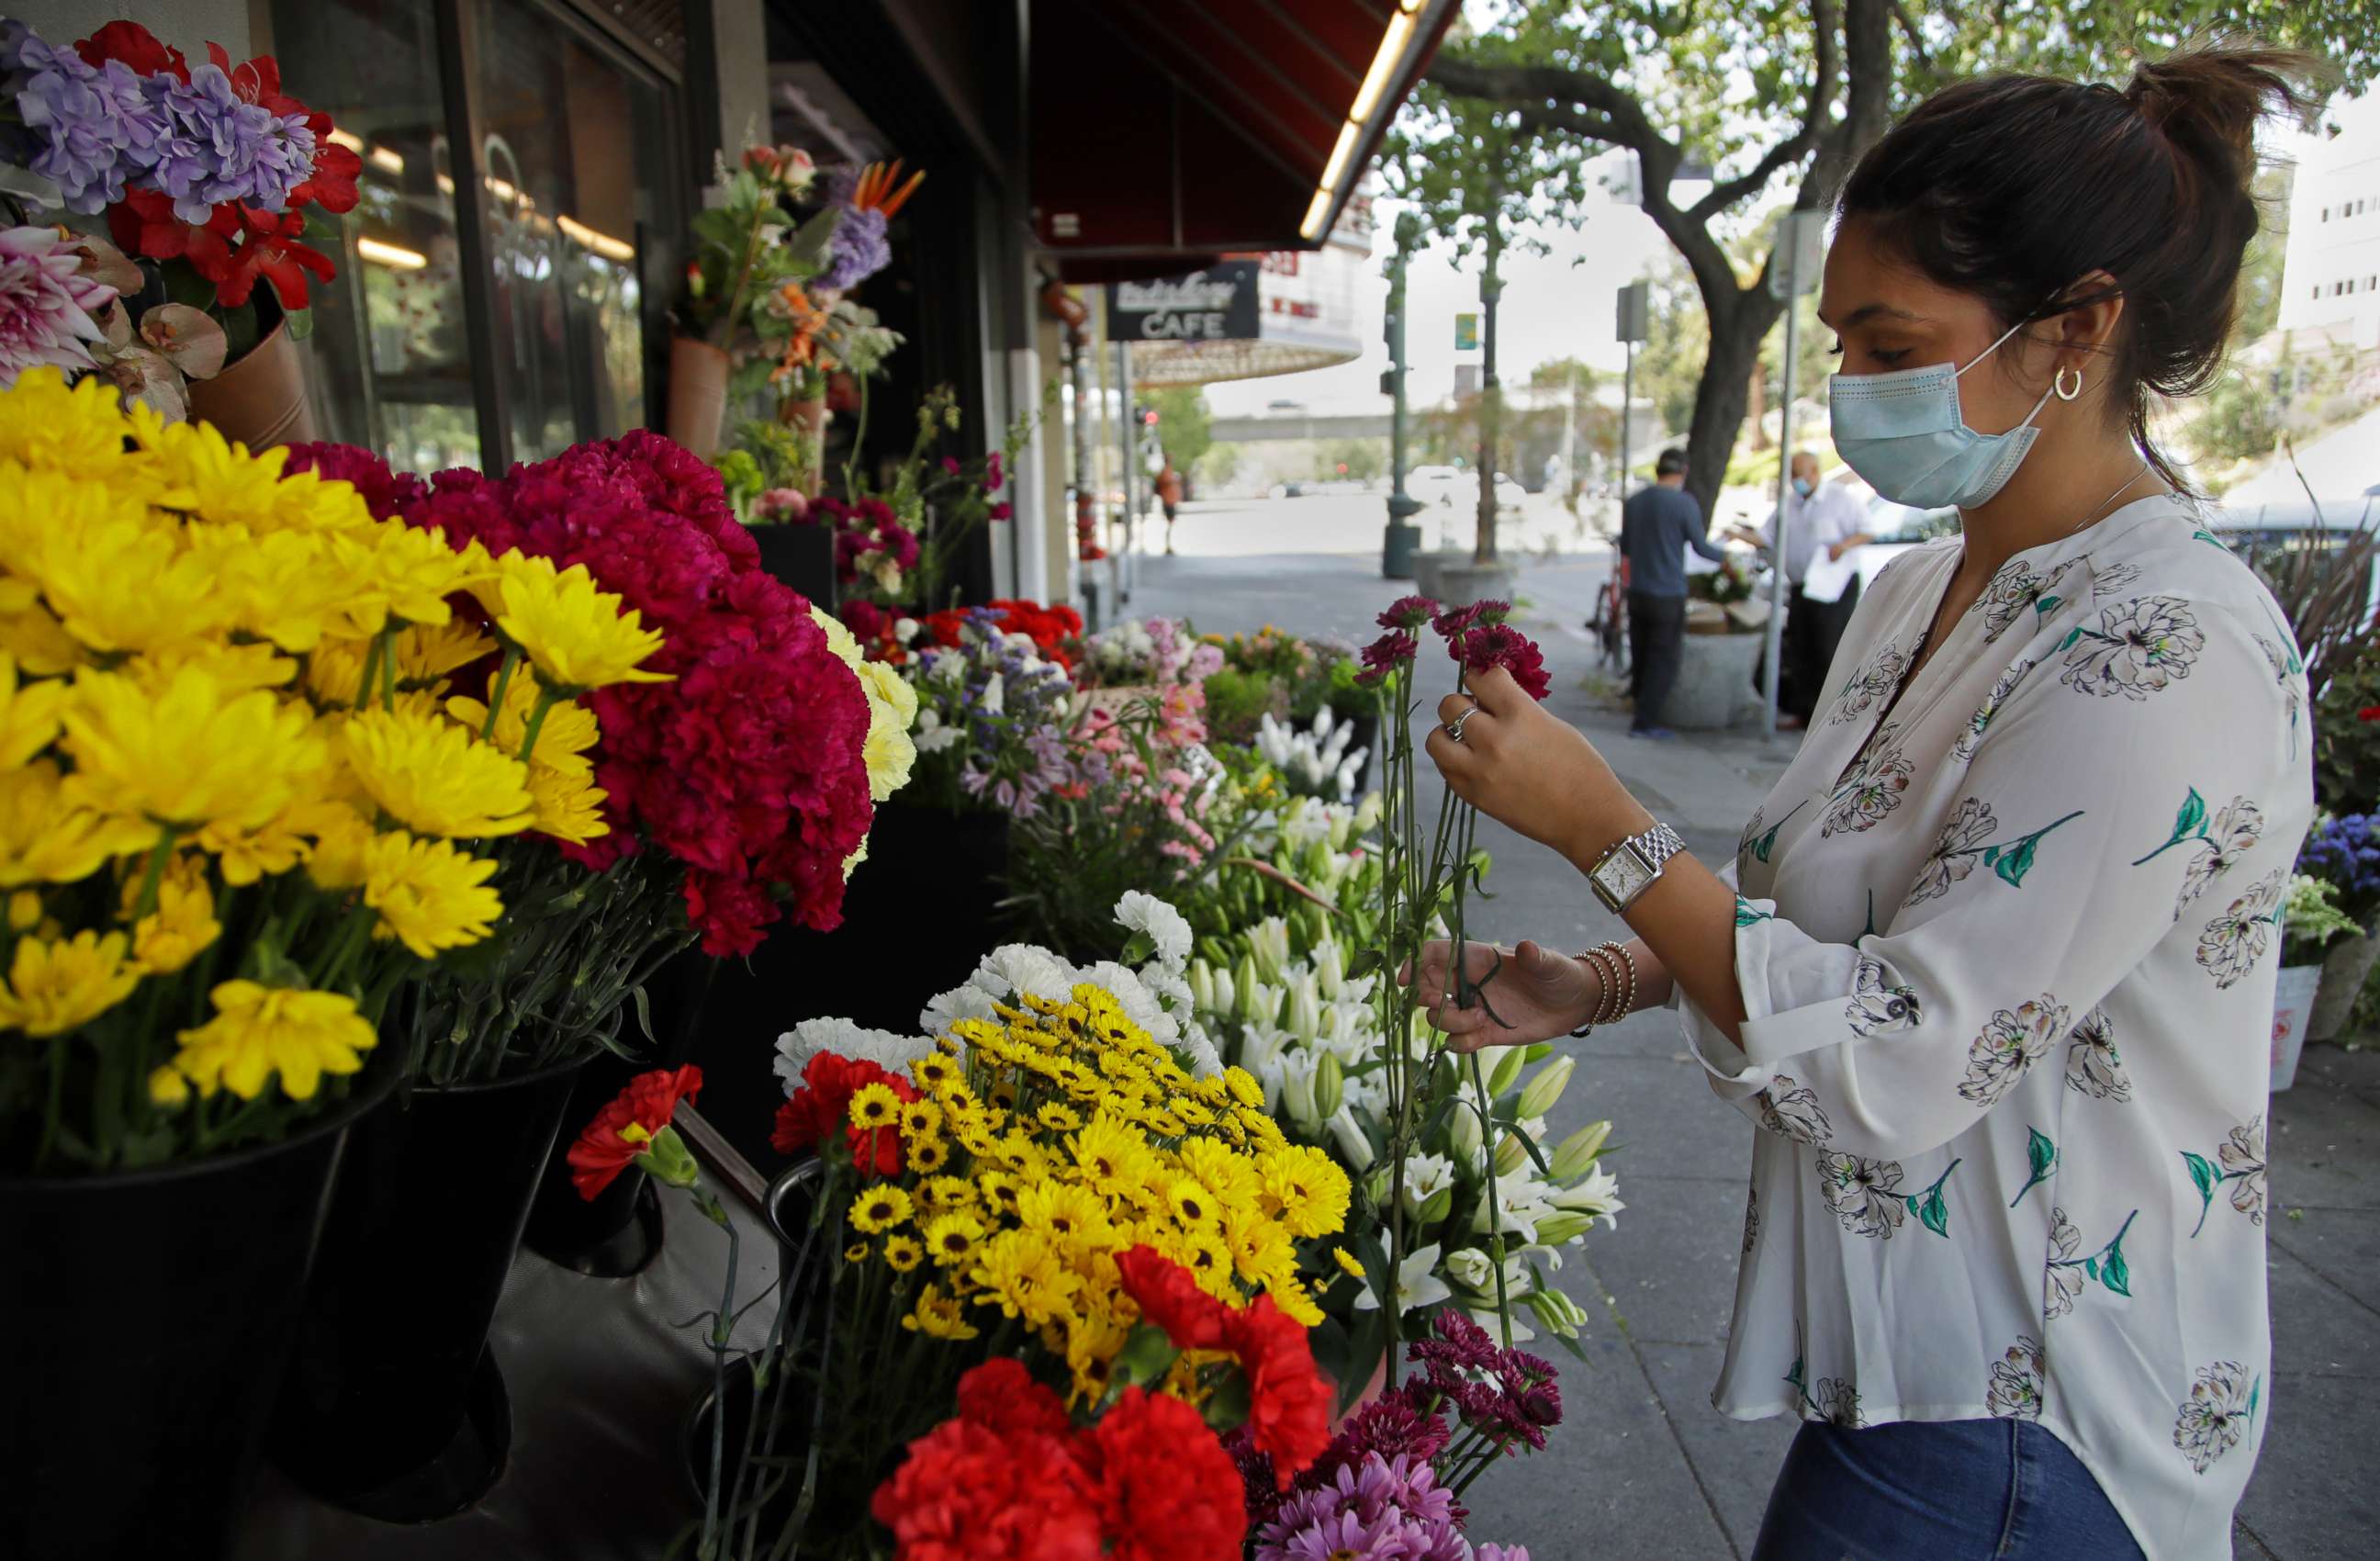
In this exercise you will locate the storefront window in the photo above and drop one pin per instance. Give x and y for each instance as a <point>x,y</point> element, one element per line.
<point>390,353</point>
<point>579,152</point>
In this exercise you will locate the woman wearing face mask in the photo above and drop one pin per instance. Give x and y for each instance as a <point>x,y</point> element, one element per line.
<point>1992,970</point>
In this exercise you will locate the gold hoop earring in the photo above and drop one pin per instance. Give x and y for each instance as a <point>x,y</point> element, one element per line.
<point>2059,384</point>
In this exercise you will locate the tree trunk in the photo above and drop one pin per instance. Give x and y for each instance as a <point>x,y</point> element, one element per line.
<point>1758,393</point>
<point>1722,392</point>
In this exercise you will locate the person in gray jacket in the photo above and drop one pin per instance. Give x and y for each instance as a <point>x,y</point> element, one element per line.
<point>1656,526</point>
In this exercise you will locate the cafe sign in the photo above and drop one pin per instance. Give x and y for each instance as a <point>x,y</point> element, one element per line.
<point>1218,304</point>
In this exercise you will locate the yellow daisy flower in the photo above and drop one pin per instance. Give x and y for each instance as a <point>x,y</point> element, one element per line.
<point>1192,1204</point>
<point>191,754</point>
<point>926,1155</point>
<point>429,895</point>
<point>902,1252</point>
<point>38,640</point>
<point>432,777</point>
<point>49,427</point>
<point>1058,1119</point>
<point>1305,1189</point>
<point>1026,1277</point>
<point>1070,1216</point>
<point>427,652</point>
<point>235,667</point>
<point>411,573</point>
<point>1001,1191</point>
<point>952,1239</point>
<point>563,738</point>
<point>938,1316</point>
<point>259,1031</point>
<point>946,1194</point>
<point>934,1070</point>
<point>57,984</point>
<point>28,715</point>
<point>1203,1252</point>
<point>1348,1264</point>
<point>921,1117</point>
<point>568,806</point>
<point>880,1208</point>
<point>576,636</point>
<point>342,839</point>
<point>182,925</point>
<point>874,1106</point>
<point>1293,1298</point>
<point>46,838</point>
<point>855,1252</point>
<point>120,585</point>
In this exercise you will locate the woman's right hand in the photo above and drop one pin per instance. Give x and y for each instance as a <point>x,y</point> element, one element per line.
<point>1537,993</point>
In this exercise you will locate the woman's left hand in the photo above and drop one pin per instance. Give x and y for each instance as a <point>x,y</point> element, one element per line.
<point>1530,771</point>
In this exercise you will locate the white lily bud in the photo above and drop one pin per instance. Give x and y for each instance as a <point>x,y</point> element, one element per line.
<point>1437,1206</point>
<point>1548,1086</point>
<point>1331,969</point>
<point>1472,1268</point>
<point>1578,1151</point>
<point>1305,1020</point>
<point>1366,818</point>
<point>1330,1084</point>
<point>1297,1070</point>
<point>1560,1314</point>
<point>1269,942</point>
<point>1568,1225</point>
<point>1507,1069</point>
<point>1463,1127</point>
<point>1244,980</point>
<point>1354,1149</point>
<point>1510,1155</point>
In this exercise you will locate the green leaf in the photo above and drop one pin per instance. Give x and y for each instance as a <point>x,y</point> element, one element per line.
<point>2191,818</point>
<point>2046,605</point>
<point>2090,1267</point>
<point>2204,1173</point>
<point>2016,861</point>
<point>2069,642</point>
<point>806,248</point>
<point>644,1006</point>
<point>2113,1274</point>
<point>1137,947</point>
<point>1227,1406</point>
<point>1145,1356</point>
<point>1365,963</point>
<point>2039,1152</point>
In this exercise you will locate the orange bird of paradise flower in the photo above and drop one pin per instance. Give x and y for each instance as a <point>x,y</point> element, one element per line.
<point>877,189</point>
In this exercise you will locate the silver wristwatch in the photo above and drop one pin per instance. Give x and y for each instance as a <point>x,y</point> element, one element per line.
<point>1629,868</point>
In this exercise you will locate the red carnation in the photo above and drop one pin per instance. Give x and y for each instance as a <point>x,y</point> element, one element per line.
<point>823,1103</point>
<point>1501,645</point>
<point>1386,654</point>
<point>1168,1492</point>
<point>2370,712</point>
<point>1289,1404</point>
<point>1169,1295</point>
<point>967,1493</point>
<point>1001,1396</point>
<point>605,1148</point>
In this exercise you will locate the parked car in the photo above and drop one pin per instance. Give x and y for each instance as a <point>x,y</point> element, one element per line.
<point>1434,485</point>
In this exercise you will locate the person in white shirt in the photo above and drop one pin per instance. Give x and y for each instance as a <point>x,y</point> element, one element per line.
<point>1990,975</point>
<point>1817,515</point>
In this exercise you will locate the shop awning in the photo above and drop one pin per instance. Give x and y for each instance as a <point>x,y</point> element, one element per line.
<point>1167,132</point>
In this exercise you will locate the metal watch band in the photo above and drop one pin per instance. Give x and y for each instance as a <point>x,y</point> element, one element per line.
<point>1652,849</point>
<point>1657,845</point>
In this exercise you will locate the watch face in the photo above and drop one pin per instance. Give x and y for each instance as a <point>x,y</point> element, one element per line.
<point>1623,875</point>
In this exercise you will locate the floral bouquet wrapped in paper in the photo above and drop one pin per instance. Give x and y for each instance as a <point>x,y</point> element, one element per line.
<point>727,782</point>
<point>1061,1218</point>
<point>243,810</point>
<point>207,173</point>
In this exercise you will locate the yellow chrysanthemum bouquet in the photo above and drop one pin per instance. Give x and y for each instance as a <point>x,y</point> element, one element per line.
<point>1050,1183</point>
<point>239,809</point>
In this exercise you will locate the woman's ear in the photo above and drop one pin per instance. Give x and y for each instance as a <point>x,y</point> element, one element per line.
<point>2083,331</point>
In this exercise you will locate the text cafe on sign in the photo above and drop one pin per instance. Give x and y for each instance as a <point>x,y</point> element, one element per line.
<point>1218,304</point>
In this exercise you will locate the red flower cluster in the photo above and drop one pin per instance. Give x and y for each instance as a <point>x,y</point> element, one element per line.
<point>237,245</point>
<point>649,1102</point>
<point>1050,628</point>
<point>2370,712</point>
<point>748,766</point>
<point>823,1102</point>
<point>1289,1404</point>
<point>1010,1479</point>
<point>1478,636</point>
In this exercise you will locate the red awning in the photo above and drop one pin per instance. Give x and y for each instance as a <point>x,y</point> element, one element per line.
<point>1167,132</point>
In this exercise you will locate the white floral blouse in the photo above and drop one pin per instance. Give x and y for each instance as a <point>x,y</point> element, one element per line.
<point>2008,960</point>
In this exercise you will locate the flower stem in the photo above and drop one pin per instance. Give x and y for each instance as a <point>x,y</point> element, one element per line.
<point>719,1336</point>
<point>546,699</point>
<point>496,695</point>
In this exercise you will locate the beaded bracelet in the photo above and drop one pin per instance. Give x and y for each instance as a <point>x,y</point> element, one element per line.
<point>1620,954</point>
<point>1607,981</point>
<point>1615,976</point>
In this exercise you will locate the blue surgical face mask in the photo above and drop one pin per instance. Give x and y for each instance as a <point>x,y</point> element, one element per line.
<point>1802,486</point>
<point>1902,431</point>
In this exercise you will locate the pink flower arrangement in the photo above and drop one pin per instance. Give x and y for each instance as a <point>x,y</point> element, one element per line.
<point>746,767</point>
<point>46,303</point>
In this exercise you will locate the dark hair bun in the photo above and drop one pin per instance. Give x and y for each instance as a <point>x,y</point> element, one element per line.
<point>2014,187</point>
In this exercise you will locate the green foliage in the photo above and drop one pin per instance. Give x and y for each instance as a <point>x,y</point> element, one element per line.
<point>2239,420</point>
<point>1237,701</point>
<point>2310,919</point>
<point>1184,426</point>
<point>2346,747</point>
<point>1362,458</point>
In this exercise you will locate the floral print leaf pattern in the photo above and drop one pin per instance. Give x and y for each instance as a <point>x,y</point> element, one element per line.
<point>2235,940</point>
<point>1966,841</point>
<point>2139,647</point>
<point>2011,1041</point>
<point>2070,1276</point>
<point>1871,685</point>
<point>2239,1162</point>
<point>1752,1219</point>
<point>1872,788</point>
<point>2011,592</point>
<point>2115,577</point>
<point>1963,750</point>
<point>1759,843</point>
<point>2217,1414</point>
<point>2041,1155</point>
<point>2015,1388</point>
<point>1864,1193</point>
<point>1747,914</point>
<point>1792,1110</point>
<point>1877,1007</point>
<point>2093,1067</point>
<point>1927,1207</point>
<point>2217,842</point>
<point>2289,672</point>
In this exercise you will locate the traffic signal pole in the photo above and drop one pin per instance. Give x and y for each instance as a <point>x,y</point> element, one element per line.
<point>1401,537</point>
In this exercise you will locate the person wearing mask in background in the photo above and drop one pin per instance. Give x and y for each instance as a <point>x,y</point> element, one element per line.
<point>1816,515</point>
<point>1979,993</point>
<point>1656,526</point>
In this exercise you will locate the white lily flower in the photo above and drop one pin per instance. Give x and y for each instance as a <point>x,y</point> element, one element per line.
<point>1471,1269</point>
<point>1424,1174</point>
<point>1597,1196</point>
<point>1297,1066</point>
<point>1329,969</point>
<point>1354,1149</point>
<point>1417,1283</point>
<point>990,700</point>
<point>1520,1203</point>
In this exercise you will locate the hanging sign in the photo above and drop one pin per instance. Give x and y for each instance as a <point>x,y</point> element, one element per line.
<point>1218,304</point>
<point>1466,333</point>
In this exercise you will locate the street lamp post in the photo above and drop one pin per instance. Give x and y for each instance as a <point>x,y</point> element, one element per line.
<point>1491,287</point>
<point>1793,270</point>
<point>1401,537</point>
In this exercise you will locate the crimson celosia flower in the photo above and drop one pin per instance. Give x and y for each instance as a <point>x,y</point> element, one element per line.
<point>604,1149</point>
<point>748,768</point>
<point>1408,613</point>
<point>1167,1490</point>
<point>1501,645</point>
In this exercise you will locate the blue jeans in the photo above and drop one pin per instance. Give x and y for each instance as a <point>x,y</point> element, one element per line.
<point>1964,1490</point>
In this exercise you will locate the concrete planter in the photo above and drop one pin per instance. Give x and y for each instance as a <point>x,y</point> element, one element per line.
<point>1454,580</point>
<point>1714,688</point>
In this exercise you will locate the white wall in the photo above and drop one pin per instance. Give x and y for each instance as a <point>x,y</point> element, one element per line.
<point>2331,271</point>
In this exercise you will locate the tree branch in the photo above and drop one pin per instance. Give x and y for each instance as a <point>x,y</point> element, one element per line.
<point>1540,86</point>
<point>1815,116</point>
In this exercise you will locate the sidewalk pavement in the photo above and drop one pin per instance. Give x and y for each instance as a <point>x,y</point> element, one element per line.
<point>1643,1467</point>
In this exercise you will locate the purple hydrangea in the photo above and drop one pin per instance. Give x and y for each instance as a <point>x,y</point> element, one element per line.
<point>217,147</point>
<point>858,249</point>
<point>2346,851</point>
<point>91,127</point>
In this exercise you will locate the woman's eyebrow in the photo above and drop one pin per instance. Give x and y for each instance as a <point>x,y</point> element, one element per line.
<point>1867,313</point>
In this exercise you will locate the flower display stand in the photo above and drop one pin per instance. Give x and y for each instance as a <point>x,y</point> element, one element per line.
<point>2344,971</point>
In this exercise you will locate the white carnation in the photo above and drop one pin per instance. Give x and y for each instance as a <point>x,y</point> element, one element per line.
<point>841,1036</point>
<point>1168,932</point>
